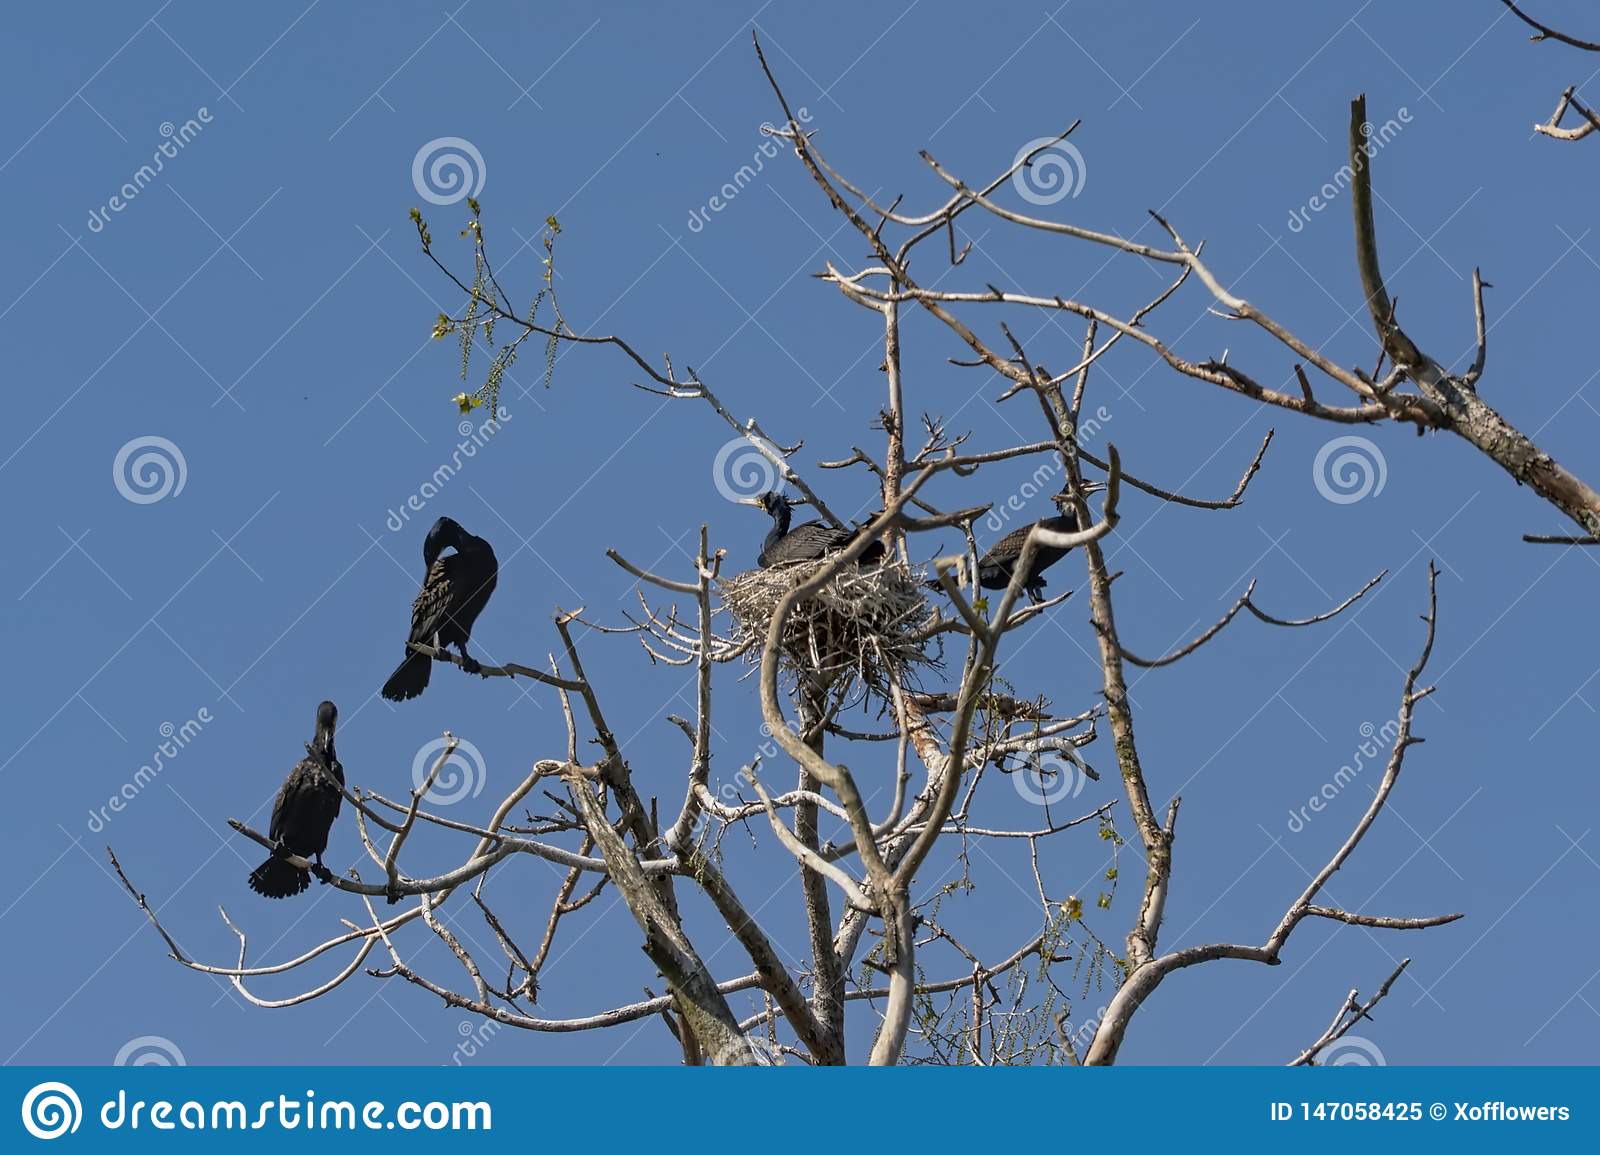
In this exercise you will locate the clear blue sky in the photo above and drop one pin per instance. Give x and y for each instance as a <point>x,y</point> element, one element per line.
<point>263,306</point>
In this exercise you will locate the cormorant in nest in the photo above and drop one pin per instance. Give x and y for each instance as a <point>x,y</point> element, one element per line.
<point>809,541</point>
<point>454,592</point>
<point>307,804</point>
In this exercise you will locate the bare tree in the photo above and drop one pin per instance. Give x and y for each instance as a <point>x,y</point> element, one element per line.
<point>834,634</point>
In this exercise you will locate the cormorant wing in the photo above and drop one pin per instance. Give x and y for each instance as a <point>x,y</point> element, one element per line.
<point>298,789</point>
<point>439,596</point>
<point>808,542</point>
<point>998,559</point>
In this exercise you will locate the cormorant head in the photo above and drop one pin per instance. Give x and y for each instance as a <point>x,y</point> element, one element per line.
<point>773,503</point>
<point>1064,498</point>
<point>445,534</point>
<point>321,745</point>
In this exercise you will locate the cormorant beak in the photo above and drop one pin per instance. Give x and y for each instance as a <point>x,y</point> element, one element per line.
<point>1063,500</point>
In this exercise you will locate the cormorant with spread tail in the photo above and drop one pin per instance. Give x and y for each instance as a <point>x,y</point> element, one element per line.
<point>454,592</point>
<point>809,541</point>
<point>999,562</point>
<point>307,804</point>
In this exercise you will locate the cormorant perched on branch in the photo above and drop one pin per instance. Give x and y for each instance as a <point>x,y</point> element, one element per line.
<point>996,565</point>
<point>307,804</point>
<point>810,541</point>
<point>454,592</point>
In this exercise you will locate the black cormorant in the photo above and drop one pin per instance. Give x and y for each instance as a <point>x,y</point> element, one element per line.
<point>307,804</point>
<point>996,565</point>
<point>809,541</point>
<point>454,592</point>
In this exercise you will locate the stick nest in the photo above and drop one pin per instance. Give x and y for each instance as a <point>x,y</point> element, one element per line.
<point>863,627</point>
